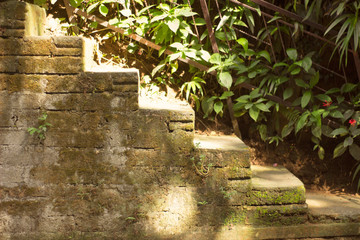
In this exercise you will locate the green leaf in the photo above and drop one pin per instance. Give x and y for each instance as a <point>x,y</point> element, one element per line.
<point>316,131</point>
<point>254,113</point>
<point>215,59</point>
<point>92,7</point>
<point>287,129</point>
<point>314,80</point>
<point>295,71</point>
<point>244,43</point>
<point>305,99</point>
<point>339,150</point>
<point>240,80</point>
<point>263,131</point>
<point>332,90</point>
<point>265,55</point>
<point>347,114</point>
<point>222,22</point>
<point>262,107</point>
<point>323,97</point>
<point>321,153</point>
<point>306,63</point>
<point>280,64</point>
<point>301,83</point>
<point>339,131</point>
<point>207,106</point>
<point>162,50</point>
<point>354,150</point>
<point>174,24</point>
<point>302,121</point>
<point>326,130</point>
<point>225,79</point>
<point>103,10</point>
<point>348,141</point>
<point>226,95</point>
<point>218,107</point>
<point>200,22</point>
<point>336,114</point>
<point>288,93</point>
<point>347,87</point>
<point>292,53</point>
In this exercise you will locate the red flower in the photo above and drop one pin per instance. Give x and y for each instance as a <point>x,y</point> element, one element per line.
<point>326,103</point>
<point>352,122</point>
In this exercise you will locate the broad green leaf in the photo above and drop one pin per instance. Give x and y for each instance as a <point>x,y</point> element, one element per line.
<point>339,150</point>
<point>207,106</point>
<point>332,90</point>
<point>354,150</point>
<point>302,121</point>
<point>326,130</point>
<point>288,93</point>
<point>295,71</point>
<point>336,114</point>
<point>306,63</point>
<point>348,141</point>
<point>263,131</point>
<point>103,10</point>
<point>292,53</point>
<point>218,107</point>
<point>314,80</point>
<point>305,99</point>
<point>205,55</point>
<point>200,22</point>
<point>348,87</point>
<point>316,131</point>
<point>244,43</point>
<point>323,97</point>
<point>355,131</point>
<point>287,129</point>
<point>339,131</point>
<point>215,59</point>
<point>301,83</point>
<point>262,107</point>
<point>174,24</point>
<point>347,114</point>
<point>254,113</point>
<point>240,80</point>
<point>265,55</point>
<point>226,94</point>
<point>225,79</point>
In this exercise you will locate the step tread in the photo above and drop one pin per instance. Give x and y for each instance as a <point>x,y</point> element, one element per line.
<point>274,178</point>
<point>225,143</point>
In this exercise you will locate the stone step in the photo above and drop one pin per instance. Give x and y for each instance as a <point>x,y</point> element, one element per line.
<point>275,186</point>
<point>223,152</point>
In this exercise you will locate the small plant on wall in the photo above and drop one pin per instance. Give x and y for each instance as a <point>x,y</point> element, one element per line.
<point>40,131</point>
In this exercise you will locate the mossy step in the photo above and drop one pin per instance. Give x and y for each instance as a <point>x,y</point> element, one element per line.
<point>223,151</point>
<point>275,186</point>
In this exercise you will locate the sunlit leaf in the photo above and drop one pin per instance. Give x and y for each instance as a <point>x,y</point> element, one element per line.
<point>225,79</point>
<point>292,53</point>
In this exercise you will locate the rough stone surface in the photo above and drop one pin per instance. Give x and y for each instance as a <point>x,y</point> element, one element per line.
<point>103,164</point>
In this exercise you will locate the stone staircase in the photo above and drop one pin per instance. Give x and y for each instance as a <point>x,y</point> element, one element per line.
<point>113,165</point>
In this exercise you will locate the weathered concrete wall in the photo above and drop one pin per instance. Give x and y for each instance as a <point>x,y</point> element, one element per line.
<point>105,168</point>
